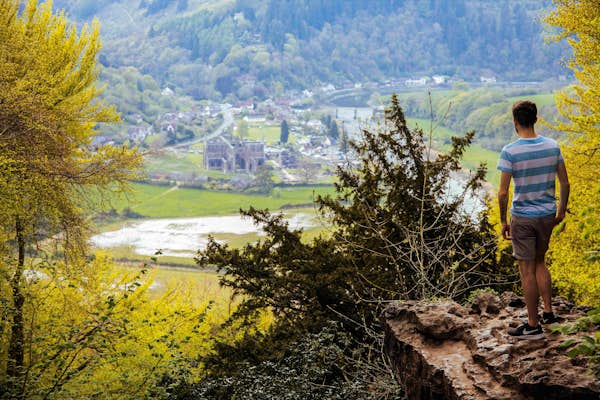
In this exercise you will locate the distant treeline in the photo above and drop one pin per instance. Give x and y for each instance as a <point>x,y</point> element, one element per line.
<point>296,43</point>
<point>253,48</point>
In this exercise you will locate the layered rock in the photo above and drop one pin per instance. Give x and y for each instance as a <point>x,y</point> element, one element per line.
<point>443,350</point>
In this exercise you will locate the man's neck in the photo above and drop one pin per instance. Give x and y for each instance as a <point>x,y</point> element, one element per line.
<point>527,133</point>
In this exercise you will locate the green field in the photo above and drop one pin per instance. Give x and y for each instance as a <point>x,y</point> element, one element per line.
<point>168,162</point>
<point>474,155</point>
<point>269,133</point>
<point>477,154</point>
<point>402,96</point>
<point>541,99</point>
<point>439,132</point>
<point>127,254</point>
<point>202,285</point>
<point>170,202</point>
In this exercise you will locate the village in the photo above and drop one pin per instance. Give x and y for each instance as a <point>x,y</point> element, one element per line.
<point>231,142</point>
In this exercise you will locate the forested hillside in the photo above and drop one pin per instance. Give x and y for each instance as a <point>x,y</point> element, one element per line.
<point>485,110</point>
<point>256,48</point>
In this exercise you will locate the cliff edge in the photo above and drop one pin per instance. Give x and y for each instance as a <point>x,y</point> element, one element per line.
<point>443,350</point>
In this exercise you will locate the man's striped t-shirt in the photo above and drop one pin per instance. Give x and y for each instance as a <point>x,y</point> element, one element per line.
<point>533,164</point>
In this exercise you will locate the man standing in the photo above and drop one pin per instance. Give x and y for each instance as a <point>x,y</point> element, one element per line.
<point>533,162</point>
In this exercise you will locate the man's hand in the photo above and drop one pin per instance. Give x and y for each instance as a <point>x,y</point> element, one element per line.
<point>503,203</point>
<point>565,188</point>
<point>506,231</point>
<point>559,217</point>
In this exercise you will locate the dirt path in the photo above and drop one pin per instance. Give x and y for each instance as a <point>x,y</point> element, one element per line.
<point>166,192</point>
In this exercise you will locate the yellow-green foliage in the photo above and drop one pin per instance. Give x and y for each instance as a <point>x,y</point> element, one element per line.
<point>56,325</point>
<point>98,329</point>
<point>576,243</point>
<point>49,94</point>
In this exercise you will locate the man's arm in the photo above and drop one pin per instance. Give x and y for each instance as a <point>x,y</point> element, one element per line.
<point>503,202</point>
<point>565,189</point>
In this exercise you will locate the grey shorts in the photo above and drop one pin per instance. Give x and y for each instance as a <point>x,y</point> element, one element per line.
<point>531,237</point>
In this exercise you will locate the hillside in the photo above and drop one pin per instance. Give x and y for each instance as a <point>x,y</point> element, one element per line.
<point>240,49</point>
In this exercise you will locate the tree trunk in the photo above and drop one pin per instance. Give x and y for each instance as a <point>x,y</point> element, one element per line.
<point>15,351</point>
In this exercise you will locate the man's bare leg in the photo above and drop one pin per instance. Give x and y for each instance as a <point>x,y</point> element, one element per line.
<point>544,284</point>
<point>530,290</point>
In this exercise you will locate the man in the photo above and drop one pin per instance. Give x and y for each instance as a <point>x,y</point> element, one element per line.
<point>533,162</point>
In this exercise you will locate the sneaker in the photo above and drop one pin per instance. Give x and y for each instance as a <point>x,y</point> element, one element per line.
<point>550,318</point>
<point>527,332</point>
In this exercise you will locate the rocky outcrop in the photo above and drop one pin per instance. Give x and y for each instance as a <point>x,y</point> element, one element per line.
<point>443,350</point>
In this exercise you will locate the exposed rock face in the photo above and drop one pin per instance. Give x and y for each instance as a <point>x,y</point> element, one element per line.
<point>445,351</point>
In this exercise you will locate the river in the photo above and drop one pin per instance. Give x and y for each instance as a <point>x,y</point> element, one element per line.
<point>182,237</point>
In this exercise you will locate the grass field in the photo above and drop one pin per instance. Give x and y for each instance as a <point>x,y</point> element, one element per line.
<point>167,162</point>
<point>171,202</point>
<point>190,202</point>
<point>207,281</point>
<point>439,132</point>
<point>128,255</point>
<point>477,154</point>
<point>402,96</point>
<point>269,133</point>
<point>154,201</point>
<point>474,155</point>
<point>203,285</point>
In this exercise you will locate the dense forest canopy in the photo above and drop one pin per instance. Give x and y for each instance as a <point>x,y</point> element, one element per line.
<point>253,48</point>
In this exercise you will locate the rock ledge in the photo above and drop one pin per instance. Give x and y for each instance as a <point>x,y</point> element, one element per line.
<point>446,351</point>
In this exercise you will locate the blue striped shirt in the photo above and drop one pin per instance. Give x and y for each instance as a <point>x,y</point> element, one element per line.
<point>533,164</point>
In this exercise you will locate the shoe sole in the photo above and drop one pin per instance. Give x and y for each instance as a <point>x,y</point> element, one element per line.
<point>551,323</point>
<point>537,336</point>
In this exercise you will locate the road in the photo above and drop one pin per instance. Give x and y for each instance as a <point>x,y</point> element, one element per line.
<point>227,122</point>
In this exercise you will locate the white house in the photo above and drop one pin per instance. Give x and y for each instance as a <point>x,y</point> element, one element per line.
<point>167,91</point>
<point>416,82</point>
<point>328,88</point>
<point>487,79</point>
<point>256,118</point>
<point>439,79</point>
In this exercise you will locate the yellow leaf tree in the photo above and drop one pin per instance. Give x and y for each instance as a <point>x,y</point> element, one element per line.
<point>576,248</point>
<point>108,332</point>
<point>49,109</point>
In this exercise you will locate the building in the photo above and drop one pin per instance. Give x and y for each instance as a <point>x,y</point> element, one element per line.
<point>487,79</point>
<point>255,118</point>
<point>227,154</point>
<point>439,79</point>
<point>288,158</point>
<point>416,82</point>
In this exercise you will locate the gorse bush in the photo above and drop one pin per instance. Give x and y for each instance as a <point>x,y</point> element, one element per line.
<point>576,243</point>
<point>50,107</point>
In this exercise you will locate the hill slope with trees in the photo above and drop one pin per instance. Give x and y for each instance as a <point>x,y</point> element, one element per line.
<point>255,48</point>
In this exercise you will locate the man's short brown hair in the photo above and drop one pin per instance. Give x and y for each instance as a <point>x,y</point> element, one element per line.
<point>525,113</point>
